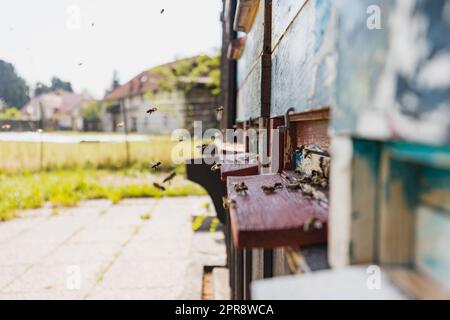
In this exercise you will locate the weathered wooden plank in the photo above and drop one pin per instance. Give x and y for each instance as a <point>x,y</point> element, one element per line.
<point>228,170</point>
<point>365,173</point>
<point>257,264</point>
<point>261,220</point>
<point>303,62</point>
<point>397,205</point>
<point>279,263</point>
<point>417,285</point>
<point>393,82</point>
<point>283,13</point>
<point>432,242</point>
<point>245,15</point>
<point>249,95</point>
<point>341,284</point>
<point>434,188</point>
<point>253,46</point>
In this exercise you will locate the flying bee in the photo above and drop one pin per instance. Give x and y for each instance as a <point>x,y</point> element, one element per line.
<point>203,146</point>
<point>293,186</point>
<point>180,139</point>
<point>268,189</point>
<point>241,187</point>
<point>162,11</point>
<point>120,125</point>
<point>156,165</point>
<point>151,110</point>
<point>170,177</point>
<point>216,167</point>
<point>6,126</point>
<point>159,187</point>
<point>219,109</point>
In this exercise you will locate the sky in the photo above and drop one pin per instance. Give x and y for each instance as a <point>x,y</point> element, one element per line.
<point>84,41</point>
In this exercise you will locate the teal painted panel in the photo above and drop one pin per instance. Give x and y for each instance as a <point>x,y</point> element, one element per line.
<point>432,253</point>
<point>304,62</point>
<point>249,95</point>
<point>283,12</point>
<point>393,82</point>
<point>438,156</point>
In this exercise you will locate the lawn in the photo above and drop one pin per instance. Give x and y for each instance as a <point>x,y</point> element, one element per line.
<point>80,171</point>
<point>26,156</point>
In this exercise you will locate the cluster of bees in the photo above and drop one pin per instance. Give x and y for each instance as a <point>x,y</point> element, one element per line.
<point>310,186</point>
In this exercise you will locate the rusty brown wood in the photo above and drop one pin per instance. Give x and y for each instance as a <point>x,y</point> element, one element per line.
<point>236,169</point>
<point>260,220</point>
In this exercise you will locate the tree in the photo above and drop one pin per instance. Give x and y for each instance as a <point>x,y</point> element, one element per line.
<point>13,89</point>
<point>60,84</point>
<point>56,84</point>
<point>10,114</point>
<point>184,74</point>
<point>91,111</point>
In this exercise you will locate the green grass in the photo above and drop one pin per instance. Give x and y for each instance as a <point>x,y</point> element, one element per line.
<point>81,171</point>
<point>19,157</point>
<point>65,188</point>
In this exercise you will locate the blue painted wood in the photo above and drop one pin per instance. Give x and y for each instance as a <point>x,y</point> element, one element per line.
<point>394,82</point>
<point>421,154</point>
<point>249,95</point>
<point>303,62</point>
<point>283,12</point>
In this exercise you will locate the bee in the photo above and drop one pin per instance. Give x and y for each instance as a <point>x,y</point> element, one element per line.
<point>170,177</point>
<point>219,109</point>
<point>265,165</point>
<point>156,165</point>
<point>203,146</point>
<point>278,185</point>
<point>226,203</point>
<point>312,222</point>
<point>293,186</point>
<point>216,167</point>
<point>298,171</point>
<point>320,196</point>
<point>80,64</point>
<point>151,110</point>
<point>180,139</point>
<point>307,190</point>
<point>162,11</point>
<point>307,154</point>
<point>268,189</point>
<point>6,126</point>
<point>241,187</point>
<point>120,124</point>
<point>159,187</point>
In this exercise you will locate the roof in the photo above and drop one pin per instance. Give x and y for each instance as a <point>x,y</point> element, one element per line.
<point>146,81</point>
<point>63,101</point>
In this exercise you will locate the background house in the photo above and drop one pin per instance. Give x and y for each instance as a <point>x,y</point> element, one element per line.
<point>183,91</point>
<point>58,109</point>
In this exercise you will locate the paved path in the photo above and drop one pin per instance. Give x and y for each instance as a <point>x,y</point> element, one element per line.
<point>104,251</point>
